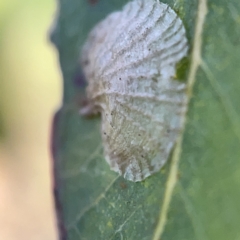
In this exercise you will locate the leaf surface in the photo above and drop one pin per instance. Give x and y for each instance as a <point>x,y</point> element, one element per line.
<point>98,204</point>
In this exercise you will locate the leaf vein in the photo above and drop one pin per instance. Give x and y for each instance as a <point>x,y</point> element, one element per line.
<point>124,223</point>
<point>92,205</point>
<point>195,63</point>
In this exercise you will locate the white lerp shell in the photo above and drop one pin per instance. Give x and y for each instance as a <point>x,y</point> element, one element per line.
<point>129,60</point>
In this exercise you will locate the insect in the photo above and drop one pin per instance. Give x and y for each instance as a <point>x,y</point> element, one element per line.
<point>129,60</point>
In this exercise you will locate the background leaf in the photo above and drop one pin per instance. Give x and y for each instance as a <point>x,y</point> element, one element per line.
<point>95,202</point>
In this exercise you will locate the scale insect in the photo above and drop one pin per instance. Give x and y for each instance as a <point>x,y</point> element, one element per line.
<point>129,60</point>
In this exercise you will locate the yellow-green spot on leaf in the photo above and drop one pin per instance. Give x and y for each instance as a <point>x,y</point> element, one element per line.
<point>109,224</point>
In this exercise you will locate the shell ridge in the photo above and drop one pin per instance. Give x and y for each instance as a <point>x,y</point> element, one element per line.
<point>137,110</point>
<point>167,29</point>
<point>165,88</point>
<point>175,87</point>
<point>178,53</point>
<point>144,114</point>
<point>118,137</point>
<point>132,121</point>
<point>134,33</point>
<point>159,37</point>
<point>109,36</point>
<point>174,33</point>
<point>143,96</point>
<point>139,62</point>
<point>169,33</point>
<point>116,37</point>
<point>99,30</point>
<point>144,169</point>
<point>177,44</point>
<point>130,169</point>
<point>134,171</point>
<point>151,140</point>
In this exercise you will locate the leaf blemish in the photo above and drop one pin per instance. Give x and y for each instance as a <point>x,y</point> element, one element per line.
<point>123,185</point>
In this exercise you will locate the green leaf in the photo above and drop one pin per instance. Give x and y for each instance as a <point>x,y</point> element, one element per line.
<point>98,204</point>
